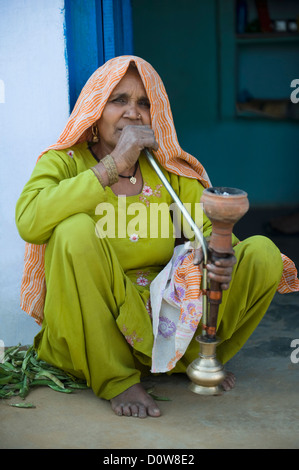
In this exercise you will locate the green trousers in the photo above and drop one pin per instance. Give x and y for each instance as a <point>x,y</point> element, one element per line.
<point>96,325</point>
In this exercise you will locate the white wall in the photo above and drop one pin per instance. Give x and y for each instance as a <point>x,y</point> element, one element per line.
<point>33,111</point>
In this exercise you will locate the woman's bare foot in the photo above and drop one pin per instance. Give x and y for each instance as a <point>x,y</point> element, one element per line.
<point>229,382</point>
<point>135,402</point>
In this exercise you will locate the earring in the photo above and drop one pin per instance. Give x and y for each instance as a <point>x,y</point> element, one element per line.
<point>95,133</point>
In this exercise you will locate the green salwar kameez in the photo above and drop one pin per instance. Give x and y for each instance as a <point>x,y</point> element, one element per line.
<point>97,322</point>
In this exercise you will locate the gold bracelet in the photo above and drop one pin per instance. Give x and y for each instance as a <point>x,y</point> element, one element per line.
<point>98,175</point>
<point>111,169</point>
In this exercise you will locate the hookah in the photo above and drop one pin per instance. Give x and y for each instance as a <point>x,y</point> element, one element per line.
<point>224,207</point>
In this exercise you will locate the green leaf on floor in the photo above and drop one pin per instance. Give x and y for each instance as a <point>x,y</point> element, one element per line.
<point>21,370</point>
<point>23,405</point>
<point>150,391</point>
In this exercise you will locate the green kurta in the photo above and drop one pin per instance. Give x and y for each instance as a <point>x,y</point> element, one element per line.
<point>97,322</point>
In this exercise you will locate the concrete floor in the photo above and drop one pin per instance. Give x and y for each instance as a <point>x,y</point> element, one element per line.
<point>261,412</point>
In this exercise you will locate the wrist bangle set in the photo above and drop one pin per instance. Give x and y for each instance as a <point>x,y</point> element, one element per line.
<point>111,169</point>
<point>98,175</point>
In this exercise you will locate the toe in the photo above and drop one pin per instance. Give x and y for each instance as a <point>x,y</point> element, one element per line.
<point>127,409</point>
<point>134,411</point>
<point>118,410</point>
<point>229,381</point>
<point>142,411</point>
<point>154,412</point>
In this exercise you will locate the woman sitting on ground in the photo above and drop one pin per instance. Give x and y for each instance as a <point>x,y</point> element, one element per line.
<point>87,275</point>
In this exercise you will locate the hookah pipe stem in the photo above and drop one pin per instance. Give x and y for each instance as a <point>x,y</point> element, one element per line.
<point>197,232</point>
<point>215,299</point>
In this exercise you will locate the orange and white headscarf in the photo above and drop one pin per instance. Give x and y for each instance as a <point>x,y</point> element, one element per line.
<point>87,111</point>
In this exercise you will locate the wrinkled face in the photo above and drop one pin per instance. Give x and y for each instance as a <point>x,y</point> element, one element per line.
<point>128,104</point>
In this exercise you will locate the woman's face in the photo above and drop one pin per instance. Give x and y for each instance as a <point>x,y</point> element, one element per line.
<point>128,104</point>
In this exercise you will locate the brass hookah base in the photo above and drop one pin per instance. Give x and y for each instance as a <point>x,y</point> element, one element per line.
<point>206,372</point>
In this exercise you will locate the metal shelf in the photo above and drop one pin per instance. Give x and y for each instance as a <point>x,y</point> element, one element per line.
<point>266,38</point>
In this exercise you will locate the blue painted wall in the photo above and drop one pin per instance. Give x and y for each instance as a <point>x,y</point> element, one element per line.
<point>84,43</point>
<point>96,31</point>
<point>182,40</point>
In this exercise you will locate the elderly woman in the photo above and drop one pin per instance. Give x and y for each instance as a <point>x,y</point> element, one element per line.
<point>89,285</point>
